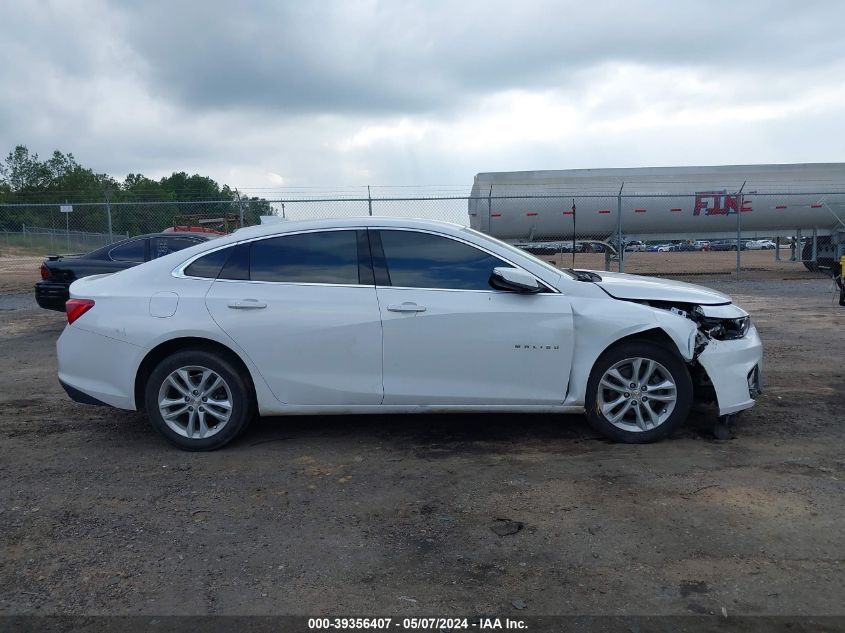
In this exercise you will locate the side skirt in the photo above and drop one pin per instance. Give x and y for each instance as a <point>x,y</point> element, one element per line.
<point>393,409</point>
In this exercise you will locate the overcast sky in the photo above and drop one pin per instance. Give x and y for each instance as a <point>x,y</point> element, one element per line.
<point>272,94</point>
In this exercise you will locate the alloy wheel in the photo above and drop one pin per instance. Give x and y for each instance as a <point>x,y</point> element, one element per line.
<point>637,394</point>
<point>195,402</point>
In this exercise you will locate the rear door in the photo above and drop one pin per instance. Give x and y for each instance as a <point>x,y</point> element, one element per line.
<point>303,307</point>
<point>451,339</point>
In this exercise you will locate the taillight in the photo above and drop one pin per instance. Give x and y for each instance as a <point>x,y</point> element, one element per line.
<point>45,272</point>
<point>75,308</point>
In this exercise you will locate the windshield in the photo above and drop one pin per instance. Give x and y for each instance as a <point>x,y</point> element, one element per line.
<point>514,249</point>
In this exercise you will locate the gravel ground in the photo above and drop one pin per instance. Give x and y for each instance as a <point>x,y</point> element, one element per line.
<point>431,515</point>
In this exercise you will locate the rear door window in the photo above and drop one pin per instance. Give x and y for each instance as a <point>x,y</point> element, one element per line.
<point>325,257</point>
<point>162,246</point>
<point>131,251</point>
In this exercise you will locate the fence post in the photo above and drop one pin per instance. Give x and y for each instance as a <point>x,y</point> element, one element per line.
<point>738,228</point>
<point>490,210</point>
<point>67,228</point>
<point>621,253</point>
<point>369,201</point>
<point>738,234</point>
<point>108,214</point>
<point>240,209</point>
<point>573,232</point>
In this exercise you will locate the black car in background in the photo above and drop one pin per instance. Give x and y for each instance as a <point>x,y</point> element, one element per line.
<point>58,272</point>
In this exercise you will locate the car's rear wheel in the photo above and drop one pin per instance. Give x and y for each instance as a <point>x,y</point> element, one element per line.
<point>198,400</point>
<point>638,392</point>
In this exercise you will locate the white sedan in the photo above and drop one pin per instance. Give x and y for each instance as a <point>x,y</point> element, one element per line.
<point>380,315</point>
<point>759,245</point>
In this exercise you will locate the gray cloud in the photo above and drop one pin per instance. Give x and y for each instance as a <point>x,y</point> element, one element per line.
<point>376,57</point>
<point>291,88</point>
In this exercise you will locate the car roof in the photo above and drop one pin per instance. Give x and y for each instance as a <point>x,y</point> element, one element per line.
<point>171,262</point>
<point>205,236</point>
<point>288,226</point>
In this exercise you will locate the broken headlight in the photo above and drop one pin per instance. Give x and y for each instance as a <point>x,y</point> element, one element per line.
<point>709,327</point>
<point>723,329</point>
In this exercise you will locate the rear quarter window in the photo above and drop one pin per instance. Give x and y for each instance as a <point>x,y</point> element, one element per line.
<point>209,266</point>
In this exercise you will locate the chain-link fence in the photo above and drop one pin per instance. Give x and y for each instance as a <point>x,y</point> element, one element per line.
<point>696,234</point>
<point>53,240</point>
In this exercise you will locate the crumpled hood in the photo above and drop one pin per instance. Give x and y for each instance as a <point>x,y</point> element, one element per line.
<point>623,286</point>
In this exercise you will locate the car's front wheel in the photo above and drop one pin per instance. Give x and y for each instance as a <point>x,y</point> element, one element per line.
<point>198,400</point>
<point>638,392</point>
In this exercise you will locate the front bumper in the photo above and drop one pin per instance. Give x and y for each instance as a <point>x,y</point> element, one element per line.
<point>52,295</point>
<point>735,370</point>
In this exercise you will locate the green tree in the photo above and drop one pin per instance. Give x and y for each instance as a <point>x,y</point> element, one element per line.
<point>22,171</point>
<point>25,178</point>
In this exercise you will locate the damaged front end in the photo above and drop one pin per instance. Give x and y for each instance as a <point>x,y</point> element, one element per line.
<point>726,363</point>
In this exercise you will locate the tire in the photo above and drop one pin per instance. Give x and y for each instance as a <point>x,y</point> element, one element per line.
<point>651,419</point>
<point>824,255</point>
<point>211,423</point>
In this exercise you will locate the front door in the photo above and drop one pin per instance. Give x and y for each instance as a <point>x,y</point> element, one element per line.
<point>451,339</point>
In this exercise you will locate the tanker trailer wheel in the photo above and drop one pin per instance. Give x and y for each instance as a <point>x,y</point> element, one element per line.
<point>824,246</point>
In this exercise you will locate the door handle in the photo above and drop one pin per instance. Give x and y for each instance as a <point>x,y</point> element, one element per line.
<point>247,304</point>
<point>406,307</point>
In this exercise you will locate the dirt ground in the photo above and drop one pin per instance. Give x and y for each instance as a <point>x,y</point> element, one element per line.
<point>399,514</point>
<point>756,264</point>
<point>18,273</point>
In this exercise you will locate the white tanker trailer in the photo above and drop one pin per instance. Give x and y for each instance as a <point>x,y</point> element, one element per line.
<point>668,203</point>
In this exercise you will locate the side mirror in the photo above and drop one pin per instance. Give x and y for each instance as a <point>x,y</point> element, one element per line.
<point>514,280</point>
